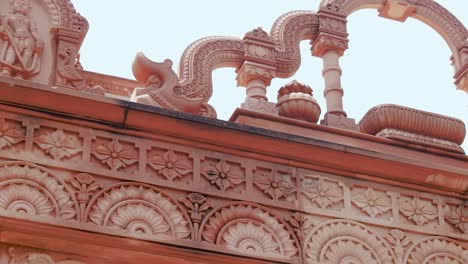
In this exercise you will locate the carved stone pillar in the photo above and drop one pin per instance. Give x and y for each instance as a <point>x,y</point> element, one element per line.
<point>330,45</point>
<point>461,71</point>
<point>257,71</point>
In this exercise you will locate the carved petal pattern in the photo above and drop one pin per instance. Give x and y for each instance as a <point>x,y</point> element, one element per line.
<point>321,192</point>
<point>170,166</point>
<point>458,218</point>
<point>249,238</point>
<point>418,211</point>
<point>372,203</point>
<point>114,155</point>
<point>432,250</point>
<point>345,241</point>
<point>253,226</point>
<point>27,189</point>
<point>222,175</point>
<point>58,144</point>
<point>9,135</point>
<point>139,210</point>
<point>275,185</point>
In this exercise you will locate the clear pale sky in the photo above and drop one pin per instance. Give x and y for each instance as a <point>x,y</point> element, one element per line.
<point>387,61</point>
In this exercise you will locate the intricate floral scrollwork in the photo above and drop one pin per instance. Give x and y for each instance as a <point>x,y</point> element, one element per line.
<point>197,207</point>
<point>85,186</point>
<point>436,250</point>
<point>400,242</point>
<point>32,190</point>
<point>140,210</point>
<point>249,229</point>
<point>345,241</point>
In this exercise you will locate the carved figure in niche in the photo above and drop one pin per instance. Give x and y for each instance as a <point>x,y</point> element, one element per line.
<point>20,45</point>
<point>68,74</point>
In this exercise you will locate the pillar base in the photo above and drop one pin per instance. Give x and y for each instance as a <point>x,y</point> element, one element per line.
<point>260,105</point>
<point>339,121</point>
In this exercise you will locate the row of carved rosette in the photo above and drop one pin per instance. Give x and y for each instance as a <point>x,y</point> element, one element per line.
<point>158,189</point>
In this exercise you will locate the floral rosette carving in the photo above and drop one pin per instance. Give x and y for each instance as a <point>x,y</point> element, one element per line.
<point>58,144</point>
<point>436,250</point>
<point>139,210</point>
<point>321,192</point>
<point>28,189</point>
<point>418,211</point>
<point>114,155</point>
<point>372,203</point>
<point>222,175</point>
<point>274,184</point>
<point>458,218</point>
<point>9,135</point>
<point>249,229</point>
<point>170,166</point>
<point>345,241</point>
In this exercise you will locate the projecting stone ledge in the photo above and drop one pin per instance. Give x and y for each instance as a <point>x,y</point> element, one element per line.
<point>415,127</point>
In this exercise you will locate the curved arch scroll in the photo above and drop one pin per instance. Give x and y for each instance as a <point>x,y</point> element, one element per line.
<point>429,12</point>
<point>194,86</point>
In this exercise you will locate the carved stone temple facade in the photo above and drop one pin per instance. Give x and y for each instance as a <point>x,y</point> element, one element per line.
<point>100,169</point>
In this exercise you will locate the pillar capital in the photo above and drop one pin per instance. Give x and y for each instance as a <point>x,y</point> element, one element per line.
<point>250,71</point>
<point>326,42</point>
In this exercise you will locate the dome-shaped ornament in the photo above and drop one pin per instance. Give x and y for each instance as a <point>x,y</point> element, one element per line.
<point>295,100</point>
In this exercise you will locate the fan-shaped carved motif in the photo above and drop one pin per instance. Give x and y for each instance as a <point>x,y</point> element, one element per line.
<point>344,241</point>
<point>29,189</point>
<point>140,210</point>
<point>435,250</point>
<point>249,229</point>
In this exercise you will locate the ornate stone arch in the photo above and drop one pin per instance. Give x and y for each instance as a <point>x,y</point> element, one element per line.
<point>248,228</point>
<point>141,210</point>
<point>436,250</point>
<point>428,11</point>
<point>28,189</point>
<point>346,241</point>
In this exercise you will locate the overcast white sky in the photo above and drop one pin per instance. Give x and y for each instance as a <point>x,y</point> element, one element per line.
<point>387,61</point>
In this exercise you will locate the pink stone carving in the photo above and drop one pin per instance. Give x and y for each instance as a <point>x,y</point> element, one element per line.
<point>222,175</point>
<point>9,134</point>
<point>399,242</point>
<point>69,76</point>
<point>20,43</point>
<point>414,126</point>
<point>114,155</point>
<point>59,145</point>
<point>418,211</point>
<point>197,207</point>
<point>170,165</point>
<point>191,91</point>
<point>295,100</point>
<point>276,185</point>
<point>301,225</point>
<point>458,218</point>
<point>31,190</point>
<point>436,250</point>
<point>321,192</point>
<point>372,203</point>
<point>85,187</point>
<point>335,240</point>
<point>28,256</point>
<point>139,210</point>
<point>248,229</point>
<point>427,11</point>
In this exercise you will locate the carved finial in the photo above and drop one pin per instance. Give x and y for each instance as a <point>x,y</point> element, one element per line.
<point>258,33</point>
<point>295,100</point>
